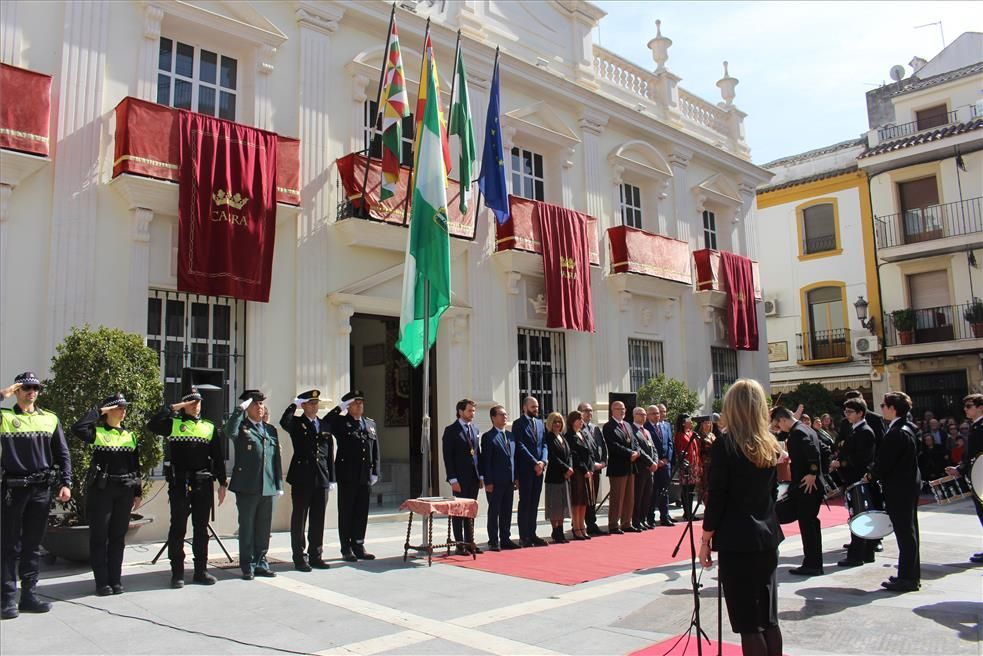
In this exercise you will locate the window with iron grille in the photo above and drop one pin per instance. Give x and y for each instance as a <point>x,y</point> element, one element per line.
<point>709,230</point>
<point>189,77</point>
<point>724,363</point>
<point>375,149</point>
<point>528,180</point>
<point>818,228</point>
<point>631,205</point>
<point>644,361</point>
<point>542,369</point>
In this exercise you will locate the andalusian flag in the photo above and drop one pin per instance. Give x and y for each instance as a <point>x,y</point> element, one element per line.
<point>428,248</point>
<point>462,127</point>
<point>396,106</point>
<point>421,103</point>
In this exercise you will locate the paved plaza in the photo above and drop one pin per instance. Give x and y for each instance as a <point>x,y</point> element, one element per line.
<point>388,607</point>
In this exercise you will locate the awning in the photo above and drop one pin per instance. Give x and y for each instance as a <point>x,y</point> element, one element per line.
<point>840,384</point>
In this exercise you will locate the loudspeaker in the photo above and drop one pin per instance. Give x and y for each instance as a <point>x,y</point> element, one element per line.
<point>211,386</point>
<point>628,398</point>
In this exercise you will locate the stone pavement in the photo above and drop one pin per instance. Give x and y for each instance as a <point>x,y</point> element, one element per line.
<point>388,607</point>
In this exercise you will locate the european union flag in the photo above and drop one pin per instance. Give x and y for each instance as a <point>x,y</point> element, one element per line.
<point>491,180</point>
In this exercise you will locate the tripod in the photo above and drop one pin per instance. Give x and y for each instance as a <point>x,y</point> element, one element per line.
<point>211,532</point>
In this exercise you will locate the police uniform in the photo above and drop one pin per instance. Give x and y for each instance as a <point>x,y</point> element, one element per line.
<point>32,445</point>
<point>112,483</point>
<point>256,480</point>
<point>192,460</point>
<point>357,468</point>
<point>311,475</point>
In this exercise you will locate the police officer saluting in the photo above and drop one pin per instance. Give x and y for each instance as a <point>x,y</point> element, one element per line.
<point>114,489</point>
<point>357,467</point>
<point>311,476</point>
<point>192,460</point>
<point>32,444</point>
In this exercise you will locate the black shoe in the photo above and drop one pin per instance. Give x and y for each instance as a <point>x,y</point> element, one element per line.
<point>526,543</point>
<point>264,572</point>
<point>508,545</point>
<point>302,566</point>
<point>348,557</point>
<point>117,589</point>
<point>475,549</point>
<point>103,591</point>
<point>846,546</point>
<point>539,542</point>
<point>615,531</point>
<point>560,538</point>
<point>666,522</point>
<point>461,550</point>
<point>846,562</point>
<point>632,529</point>
<point>248,576</point>
<point>493,547</point>
<point>578,536</point>
<point>9,612</point>
<point>362,554</point>
<point>868,559</point>
<point>30,603</point>
<point>177,583</point>
<point>317,563</point>
<point>976,558</point>
<point>899,585</point>
<point>805,571</point>
<point>203,578</point>
<point>596,532</point>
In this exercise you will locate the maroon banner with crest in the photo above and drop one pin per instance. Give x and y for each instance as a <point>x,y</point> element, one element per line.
<point>227,209</point>
<point>737,277</point>
<point>566,264</point>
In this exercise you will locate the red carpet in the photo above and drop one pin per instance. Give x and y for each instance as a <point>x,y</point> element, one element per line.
<point>687,648</point>
<point>579,562</point>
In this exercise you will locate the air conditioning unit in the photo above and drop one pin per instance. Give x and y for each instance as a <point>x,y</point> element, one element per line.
<point>866,344</point>
<point>771,307</point>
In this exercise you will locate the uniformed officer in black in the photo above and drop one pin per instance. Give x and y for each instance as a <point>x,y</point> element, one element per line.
<point>854,457</point>
<point>311,477</point>
<point>192,461</point>
<point>113,489</point>
<point>32,445</point>
<point>357,469</point>
<point>804,452</point>
<point>973,406</point>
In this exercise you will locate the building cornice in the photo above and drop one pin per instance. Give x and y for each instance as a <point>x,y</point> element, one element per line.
<point>800,192</point>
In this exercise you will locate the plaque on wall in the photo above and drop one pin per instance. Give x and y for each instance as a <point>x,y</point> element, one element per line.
<point>777,351</point>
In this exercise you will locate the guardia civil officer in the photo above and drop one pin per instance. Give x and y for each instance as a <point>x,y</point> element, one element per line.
<point>33,455</point>
<point>256,480</point>
<point>311,477</point>
<point>192,461</point>
<point>357,469</point>
<point>114,488</point>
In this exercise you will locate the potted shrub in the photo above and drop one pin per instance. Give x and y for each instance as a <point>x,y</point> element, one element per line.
<point>974,315</point>
<point>87,366</point>
<point>905,322</point>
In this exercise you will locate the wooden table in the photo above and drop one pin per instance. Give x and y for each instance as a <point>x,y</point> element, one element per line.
<point>428,507</point>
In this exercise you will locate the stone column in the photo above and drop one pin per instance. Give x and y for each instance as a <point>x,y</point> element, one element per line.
<point>138,282</point>
<point>748,220</point>
<point>146,88</point>
<point>342,354</point>
<point>680,225</point>
<point>75,208</point>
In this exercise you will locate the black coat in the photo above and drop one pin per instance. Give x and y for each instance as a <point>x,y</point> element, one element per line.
<point>312,464</point>
<point>856,453</point>
<point>496,462</point>
<point>740,501</point>
<point>621,444</point>
<point>460,452</point>
<point>599,449</point>
<point>974,447</point>
<point>896,463</point>
<point>646,448</point>
<point>358,450</point>
<point>560,461</point>
<point>581,454</point>
<point>803,450</point>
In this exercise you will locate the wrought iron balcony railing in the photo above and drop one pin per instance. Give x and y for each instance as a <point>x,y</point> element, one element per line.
<point>938,324</point>
<point>928,223</point>
<point>823,344</point>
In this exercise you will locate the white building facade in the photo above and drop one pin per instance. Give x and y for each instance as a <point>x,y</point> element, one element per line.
<point>660,169</point>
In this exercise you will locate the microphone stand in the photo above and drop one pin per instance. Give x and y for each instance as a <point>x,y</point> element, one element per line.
<point>695,620</point>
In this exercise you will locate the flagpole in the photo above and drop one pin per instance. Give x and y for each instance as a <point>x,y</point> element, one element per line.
<point>378,114</point>
<point>457,56</point>
<point>425,487</point>
<point>417,121</point>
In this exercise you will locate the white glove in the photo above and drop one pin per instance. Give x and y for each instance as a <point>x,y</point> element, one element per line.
<point>373,479</point>
<point>344,405</point>
<point>245,404</point>
<point>332,486</point>
<point>300,401</point>
<point>279,493</point>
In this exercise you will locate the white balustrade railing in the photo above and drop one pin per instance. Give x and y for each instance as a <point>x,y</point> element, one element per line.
<point>701,112</point>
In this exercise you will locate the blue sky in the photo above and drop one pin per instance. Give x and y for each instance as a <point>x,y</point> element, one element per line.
<point>803,67</point>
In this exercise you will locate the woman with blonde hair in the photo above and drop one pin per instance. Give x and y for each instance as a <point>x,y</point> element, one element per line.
<point>558,470</point>
<point>740,523</point>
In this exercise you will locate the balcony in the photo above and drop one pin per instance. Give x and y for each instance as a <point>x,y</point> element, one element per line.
<point>383,225</point>
<point>147,158</point>
<point>24,120</point>
<point>932,230</point>
<point>518,244</point>
<point>823,346</point>
<point>889,132</point>
<point>707,263</point>
<point>936,330</point>
<point>649,264</point>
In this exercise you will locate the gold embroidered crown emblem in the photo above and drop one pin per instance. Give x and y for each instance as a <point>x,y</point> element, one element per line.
<point>222,197</point>
<point>568,263</point>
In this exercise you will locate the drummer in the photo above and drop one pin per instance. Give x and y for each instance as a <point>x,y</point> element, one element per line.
<point>855,455</point>
<point>973,405</point>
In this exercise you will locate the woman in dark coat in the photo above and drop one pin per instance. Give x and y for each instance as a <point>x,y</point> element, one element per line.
<point>558,471</point>
<point>582,479</point>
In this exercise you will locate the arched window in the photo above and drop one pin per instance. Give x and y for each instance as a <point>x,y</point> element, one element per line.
<point>826,334</point>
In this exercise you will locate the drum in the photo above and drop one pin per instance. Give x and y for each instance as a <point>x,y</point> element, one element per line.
<point>784,505</point>
<point>832,484</point>
<point>976,478</point>
<point>865,503</point>
<point>950,489</point>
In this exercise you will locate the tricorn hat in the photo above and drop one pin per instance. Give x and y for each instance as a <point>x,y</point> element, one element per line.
<point>354,395</point>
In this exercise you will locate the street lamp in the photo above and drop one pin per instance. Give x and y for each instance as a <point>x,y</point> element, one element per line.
<point>861,307</point>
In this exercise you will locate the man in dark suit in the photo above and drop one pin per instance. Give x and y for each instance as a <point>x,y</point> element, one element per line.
<point>896,467</point>
<point>664,454</point>
<point>530,462</point>
<point>311,476</point>
<point>973,406</point>
<point>854,457</point>
<point>496,466</point>
<point>599,453</point>
<point>804,452</point>
<point>622,454</point>
<point>644,468</point>
<point>460,448</point>
<point>357,470</point>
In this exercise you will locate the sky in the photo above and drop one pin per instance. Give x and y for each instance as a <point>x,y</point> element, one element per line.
<point>803,67</point>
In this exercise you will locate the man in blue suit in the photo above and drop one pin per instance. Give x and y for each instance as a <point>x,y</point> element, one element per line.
<point>529,442</point>
<point>496,465</point>
<point>662,436</point>
<point>460,448</point>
